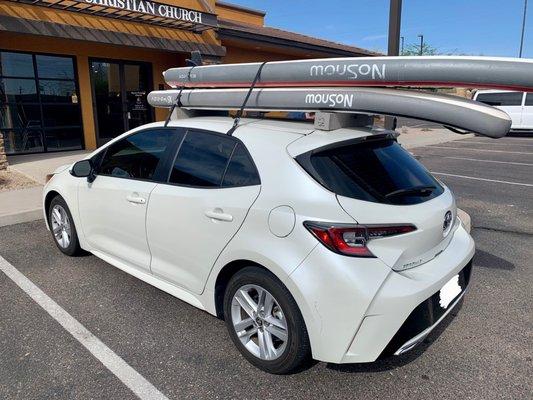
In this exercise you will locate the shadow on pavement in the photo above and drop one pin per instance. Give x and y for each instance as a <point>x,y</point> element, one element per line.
<point>486,260</point>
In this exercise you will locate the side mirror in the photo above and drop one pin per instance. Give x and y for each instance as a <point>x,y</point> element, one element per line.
<point>84,169</point>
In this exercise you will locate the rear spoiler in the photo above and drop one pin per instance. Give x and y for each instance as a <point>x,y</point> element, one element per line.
<point>447,110</point>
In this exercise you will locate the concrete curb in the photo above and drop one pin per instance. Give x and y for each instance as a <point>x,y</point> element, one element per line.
<point>21,217</point>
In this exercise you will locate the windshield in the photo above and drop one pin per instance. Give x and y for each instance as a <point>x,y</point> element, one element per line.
<point>373,170</point>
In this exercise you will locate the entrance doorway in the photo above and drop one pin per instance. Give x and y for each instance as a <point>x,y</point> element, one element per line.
<point>120,89</point>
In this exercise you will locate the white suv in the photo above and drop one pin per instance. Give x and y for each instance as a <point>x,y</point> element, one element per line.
<point>334,245</point>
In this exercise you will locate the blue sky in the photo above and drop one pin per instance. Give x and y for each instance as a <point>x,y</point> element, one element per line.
<point>477,27</point>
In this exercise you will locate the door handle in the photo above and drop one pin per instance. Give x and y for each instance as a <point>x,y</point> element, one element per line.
<point>218,214</point>
<point>136,199</point>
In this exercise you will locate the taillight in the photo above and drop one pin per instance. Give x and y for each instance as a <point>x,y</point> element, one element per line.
<point>352,239</point>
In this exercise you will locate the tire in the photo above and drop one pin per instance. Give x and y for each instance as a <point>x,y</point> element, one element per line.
<point>276,356</point>
<point>59,217</point>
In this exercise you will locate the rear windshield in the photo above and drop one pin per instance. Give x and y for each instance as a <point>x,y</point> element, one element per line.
<point>375,170</point>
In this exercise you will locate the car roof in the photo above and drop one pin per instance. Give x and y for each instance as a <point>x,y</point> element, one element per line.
<point>273,133</point>
<point>222,124</point>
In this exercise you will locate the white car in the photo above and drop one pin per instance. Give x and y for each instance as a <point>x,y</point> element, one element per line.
<point>518,105</point>
<point>334,245</point>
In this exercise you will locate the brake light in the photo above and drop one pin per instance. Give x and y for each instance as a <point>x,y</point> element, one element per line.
<point>352,239</point>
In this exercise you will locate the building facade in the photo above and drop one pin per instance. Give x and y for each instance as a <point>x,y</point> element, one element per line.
<point>75,73</point>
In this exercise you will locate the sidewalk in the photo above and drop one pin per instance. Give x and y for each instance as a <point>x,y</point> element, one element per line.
<point>411,137</point>
<point>24,205</point>
<point>37,166</point>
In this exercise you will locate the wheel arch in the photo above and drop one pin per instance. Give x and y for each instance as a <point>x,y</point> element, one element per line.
<point>223,278</point>
<point>47,201</point>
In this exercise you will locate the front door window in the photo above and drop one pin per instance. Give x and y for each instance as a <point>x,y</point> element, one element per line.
<point>119,96</point>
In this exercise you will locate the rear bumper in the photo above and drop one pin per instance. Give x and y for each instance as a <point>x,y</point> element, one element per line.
<point>424,318</point>
<point>359,306</point>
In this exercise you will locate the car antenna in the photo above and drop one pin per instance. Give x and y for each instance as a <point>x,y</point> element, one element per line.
<point>238,116</point>
<point>194,61</point>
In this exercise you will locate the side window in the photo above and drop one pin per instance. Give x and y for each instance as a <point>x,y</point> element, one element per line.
<point>501,99</point>
<point>202,159</point>
<point>241,170</point>
<point>529,99</point>
<point>137,156</point>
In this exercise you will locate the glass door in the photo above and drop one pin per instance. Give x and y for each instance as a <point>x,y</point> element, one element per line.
<point>119,96</point>
<point>136,82</point>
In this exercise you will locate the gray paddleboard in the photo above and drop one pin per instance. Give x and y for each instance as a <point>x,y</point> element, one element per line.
<point>430,71</point>
<point>446,110</point>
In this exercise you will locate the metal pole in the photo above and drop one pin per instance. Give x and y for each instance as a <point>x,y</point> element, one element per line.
<point>523,29</point>
<point>421,52</point>
<point>395,19</point>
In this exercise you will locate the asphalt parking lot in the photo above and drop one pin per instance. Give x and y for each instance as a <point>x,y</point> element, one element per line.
<point>485,352</point>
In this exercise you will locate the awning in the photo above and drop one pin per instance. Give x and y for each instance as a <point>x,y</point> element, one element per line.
<point>52,29</point>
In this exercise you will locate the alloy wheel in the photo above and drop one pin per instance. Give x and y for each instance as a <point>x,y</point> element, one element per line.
<point>61,226</point>
<point>259,322</point>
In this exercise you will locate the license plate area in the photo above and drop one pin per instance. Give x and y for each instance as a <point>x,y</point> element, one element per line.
<point>450,291</point>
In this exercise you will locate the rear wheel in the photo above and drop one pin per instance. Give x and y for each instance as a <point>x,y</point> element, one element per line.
<point>62,227</point>
<point>264,322</point>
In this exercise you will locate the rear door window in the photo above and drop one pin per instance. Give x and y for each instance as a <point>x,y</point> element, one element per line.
<point>501,98</point>
<point>202,159</point>
<point>373,170</point>
<point>529,99</point>
<point>212,160</point>
<point>241,170</point>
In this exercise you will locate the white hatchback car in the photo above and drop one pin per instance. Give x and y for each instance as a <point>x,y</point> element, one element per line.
<point>334,245</point>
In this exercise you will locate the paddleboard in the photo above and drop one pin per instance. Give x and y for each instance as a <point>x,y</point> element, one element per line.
<point>425,71</point>
<point>446,110</point>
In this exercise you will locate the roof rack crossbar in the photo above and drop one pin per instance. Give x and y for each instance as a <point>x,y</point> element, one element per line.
<point>241,110</point>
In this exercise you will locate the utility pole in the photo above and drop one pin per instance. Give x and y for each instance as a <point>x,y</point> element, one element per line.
<point>523,29</point>
<point>421,52</point>
<point>402,39</point>
<point>395,19</point>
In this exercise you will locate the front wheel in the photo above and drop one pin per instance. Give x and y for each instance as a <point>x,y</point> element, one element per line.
<point>264,322</point>
<point>62,227</point>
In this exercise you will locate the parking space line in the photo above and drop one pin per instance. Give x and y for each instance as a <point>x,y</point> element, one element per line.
<point>482,179</point>
<point>501,143</point>
<point>487,150</point>
<point>115,364</point>
<point>490,161</point>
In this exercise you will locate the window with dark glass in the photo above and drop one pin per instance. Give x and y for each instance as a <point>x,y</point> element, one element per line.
<point>137,156</point>
<point>241,170</point>
<point>501,98</point>
<point>39,105</point>
<point>378,171</point>
<point>529,99</point>
<point>202,159</point>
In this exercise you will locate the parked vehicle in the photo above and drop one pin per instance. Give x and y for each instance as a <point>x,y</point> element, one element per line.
<point>338,246</point>
<point>519,106</point>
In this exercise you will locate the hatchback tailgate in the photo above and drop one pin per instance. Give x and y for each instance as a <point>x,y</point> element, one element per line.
<point>430,238</point>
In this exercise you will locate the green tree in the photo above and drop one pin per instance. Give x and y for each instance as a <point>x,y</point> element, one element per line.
<point>414,50</point>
